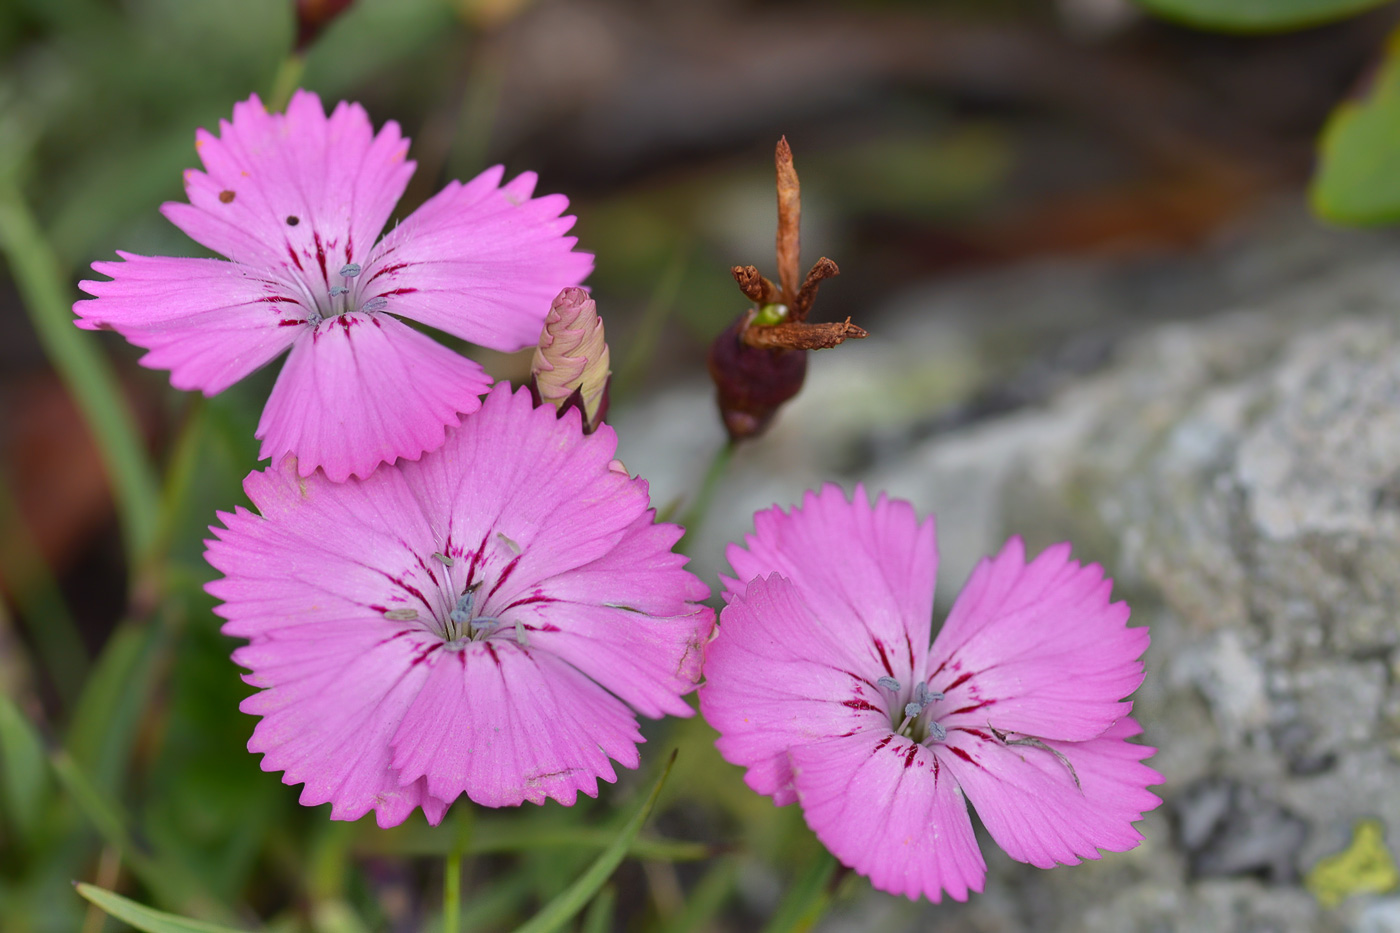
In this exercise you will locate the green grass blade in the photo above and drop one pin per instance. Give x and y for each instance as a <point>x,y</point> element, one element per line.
<point>109,711</point>
<point>707,898</point>
<point>84,370</point>
<point>807,899</point>
<point>599,918</point>
<point>22,768</point>
<point>41,606</point>
<point>564,907</point>
<point>145,918</point>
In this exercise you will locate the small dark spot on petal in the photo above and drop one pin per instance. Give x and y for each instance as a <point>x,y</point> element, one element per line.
<point>226,196</point>
<point>293,220</point>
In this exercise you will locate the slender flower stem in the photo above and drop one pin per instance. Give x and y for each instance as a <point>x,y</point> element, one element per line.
<point>84,370</point>
<point>452,892</point>
<point>288,77</point>
<point>695,515</point>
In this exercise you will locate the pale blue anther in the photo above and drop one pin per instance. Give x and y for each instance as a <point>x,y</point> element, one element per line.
<point>337,290</point>
<point>926,696</point>
<point>485,622</point>
<point>378,303</point>
<point>350,270</point>
<point>936,732</point>
<point>462,612</point>
<point>889,683</point>
<point>913,709</point>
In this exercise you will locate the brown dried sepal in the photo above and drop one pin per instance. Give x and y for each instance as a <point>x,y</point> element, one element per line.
<point>789,240</point>
<point>797,335</point>
<point>754,286</point>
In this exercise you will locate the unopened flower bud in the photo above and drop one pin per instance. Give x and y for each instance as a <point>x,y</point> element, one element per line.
<point>571,362</point>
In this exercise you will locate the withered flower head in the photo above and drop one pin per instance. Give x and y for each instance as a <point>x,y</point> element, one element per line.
<point>314,16</point>
<point>760,361</point>
<point>570,367</point>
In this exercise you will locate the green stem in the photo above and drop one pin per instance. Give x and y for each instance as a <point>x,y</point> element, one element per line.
<point>452,892</point>
<point>695,515</point>
<point>84,371</point>
<point>288,77</point>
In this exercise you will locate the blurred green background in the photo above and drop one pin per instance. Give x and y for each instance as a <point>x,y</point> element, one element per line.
<point>932,139</point>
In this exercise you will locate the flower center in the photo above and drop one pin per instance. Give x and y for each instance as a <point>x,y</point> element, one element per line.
<point>915,720</point>
<point>343,298</point>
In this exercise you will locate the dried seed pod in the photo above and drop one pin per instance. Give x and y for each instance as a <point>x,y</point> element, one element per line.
<point>751,383</point>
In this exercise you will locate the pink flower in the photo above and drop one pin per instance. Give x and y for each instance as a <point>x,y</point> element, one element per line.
<point>296,202</point>
<point>822,686</point>
<point>478,621</point>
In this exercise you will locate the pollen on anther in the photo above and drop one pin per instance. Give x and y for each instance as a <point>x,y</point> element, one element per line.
<point>889,683</point>
<point>378,303</point>
<point>350,270</point>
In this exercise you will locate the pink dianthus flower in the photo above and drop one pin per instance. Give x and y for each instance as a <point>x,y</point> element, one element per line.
<point>823,685</point>
<point>478,621</point>
<point>296,201</point>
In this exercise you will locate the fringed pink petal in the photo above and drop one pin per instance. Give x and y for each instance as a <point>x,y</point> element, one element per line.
<point>779,676</point>
<point>300,192</point>
<point>887,808</point>
<point>853,562</point>
<point>365,389</point>
<point>639,588</point>
<point>479,261</point>
<point>505,724</point>
<point>328,709</point>
<point>525,496</point>
<point>209,322</point>
<point>1055,802</point>
<point>1036,648</point>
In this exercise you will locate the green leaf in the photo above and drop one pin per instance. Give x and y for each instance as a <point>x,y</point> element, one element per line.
<point>563,908</point>
<point>1358,175</point>
<point>807,899</point>
<point>707,898</point>
<point>84,370</point>
<point>145,918</point>
<point>22,767</point>
<point>109,710</point>
<point>1257,15</point>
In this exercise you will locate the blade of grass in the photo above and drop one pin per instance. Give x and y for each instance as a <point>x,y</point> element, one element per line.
<point>40,603</point>
<point>707,898</point>
<point>22,768</point>
<point>83,369</point>
<point>648,333</point>
<point>599,918</point>
<point>145,918</point>
<point>807,899</point>
<point>108,713</point>
<point>563,908</point>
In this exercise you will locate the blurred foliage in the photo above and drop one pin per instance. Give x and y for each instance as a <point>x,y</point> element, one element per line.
<point>1258,15</point>
<point>1358,174</point>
